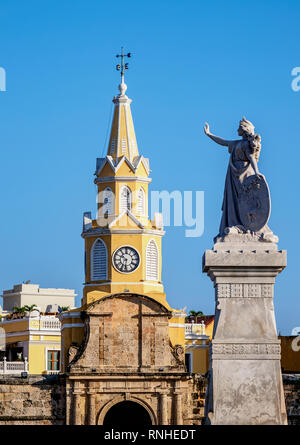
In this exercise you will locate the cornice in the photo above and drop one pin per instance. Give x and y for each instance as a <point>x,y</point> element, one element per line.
<point>122,179</point>
<point>100,231</point>
<point>128,283</point>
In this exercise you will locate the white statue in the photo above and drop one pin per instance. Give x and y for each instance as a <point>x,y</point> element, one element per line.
<point>246,203</point>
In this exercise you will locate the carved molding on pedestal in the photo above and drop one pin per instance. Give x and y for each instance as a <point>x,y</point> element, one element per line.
<point>245,351</point>
<point>244,290</point>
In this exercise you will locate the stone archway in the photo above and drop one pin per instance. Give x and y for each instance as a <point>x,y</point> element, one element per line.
<point>129,411</point>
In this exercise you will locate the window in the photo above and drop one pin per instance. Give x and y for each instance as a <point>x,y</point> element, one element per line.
<point>152,261</point>
<point>141,202</point>
<point>189,361</point>
<point>112,146</point>
<point>123,145</point>
<point>99,261</point>
<point>108,202</point>
<point>125,199</point>
<point>53,360</point>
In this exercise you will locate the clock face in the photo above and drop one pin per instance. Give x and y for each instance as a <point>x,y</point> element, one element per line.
<point>126,259</point>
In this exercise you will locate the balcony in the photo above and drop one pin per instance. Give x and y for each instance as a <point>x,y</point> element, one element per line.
<point>45,323</point>
<point>13,368</point>
<point>196,333</point>
<point>50,324</point>
<point>37,323</point>
<point>194,330</point>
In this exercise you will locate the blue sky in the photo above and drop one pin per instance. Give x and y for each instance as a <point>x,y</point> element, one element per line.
<point>193,62</point>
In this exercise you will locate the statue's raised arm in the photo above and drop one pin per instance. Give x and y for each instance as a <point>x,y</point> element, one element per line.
<point>246,204</point>
<point>216,139</point>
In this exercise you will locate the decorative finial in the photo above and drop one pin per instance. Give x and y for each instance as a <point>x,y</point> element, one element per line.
<point>122,67</point>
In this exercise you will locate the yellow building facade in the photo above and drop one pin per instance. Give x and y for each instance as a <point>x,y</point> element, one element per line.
<point>198,336</point>
<point>32,345</point>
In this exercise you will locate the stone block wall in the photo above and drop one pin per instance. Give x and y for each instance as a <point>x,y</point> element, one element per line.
<point>39,400</point>
<point>35,400</point>
<point>198,396</point>
<point>291,385</point>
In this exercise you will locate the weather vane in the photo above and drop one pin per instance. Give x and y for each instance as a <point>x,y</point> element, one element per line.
<point>123,66</point>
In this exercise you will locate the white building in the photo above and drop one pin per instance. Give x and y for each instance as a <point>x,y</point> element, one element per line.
<point>29,294</point>
<point>31,341</point>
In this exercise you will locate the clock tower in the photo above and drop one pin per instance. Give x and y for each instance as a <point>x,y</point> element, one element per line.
<point>122,245</point>
<point>123,349</point>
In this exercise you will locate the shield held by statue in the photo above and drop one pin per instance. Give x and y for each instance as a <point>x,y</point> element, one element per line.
<point>254,203</point>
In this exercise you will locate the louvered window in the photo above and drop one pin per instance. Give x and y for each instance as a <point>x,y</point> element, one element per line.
<point>112,146</point>
<point>108,202</point>
<point>141,202</point>
<point>152,261</point>
<point>125,199</point>
<point>99,261</point>
<point>123,145</point>
<point>133,145</point>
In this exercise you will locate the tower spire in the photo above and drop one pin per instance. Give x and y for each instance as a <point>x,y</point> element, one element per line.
<point>122,140</point>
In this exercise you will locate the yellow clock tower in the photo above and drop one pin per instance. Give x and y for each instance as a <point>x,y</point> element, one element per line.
<point>122,245</point>
<point>123,260</point>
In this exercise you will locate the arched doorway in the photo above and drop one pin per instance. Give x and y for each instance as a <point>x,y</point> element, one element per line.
<point>127,413</point>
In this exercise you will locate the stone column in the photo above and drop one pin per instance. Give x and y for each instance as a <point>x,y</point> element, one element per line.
<point>245,382</point>
<point>91,405</point>
<point>76,404</point>
<point>177,408</point>
<point>163,398</point>
<point>69,401</point>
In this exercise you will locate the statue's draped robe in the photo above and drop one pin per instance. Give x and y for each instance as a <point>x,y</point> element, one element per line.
<point>238,169</point>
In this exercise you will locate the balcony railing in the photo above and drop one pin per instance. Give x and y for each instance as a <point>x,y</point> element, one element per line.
<point>194,330</point>
<point>50,324</point>
<point>39,323</point>
<point>13,367</point>
<point>45,323</point>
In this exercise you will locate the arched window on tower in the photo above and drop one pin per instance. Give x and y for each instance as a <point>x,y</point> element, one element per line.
<point>108,202</point>
<point>152,261</point>
<point>125,199</point>
<point>141,201</point>
<point>99,261</point>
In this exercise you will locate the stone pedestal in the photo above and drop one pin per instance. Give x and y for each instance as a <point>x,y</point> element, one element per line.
<point>245,382</point>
